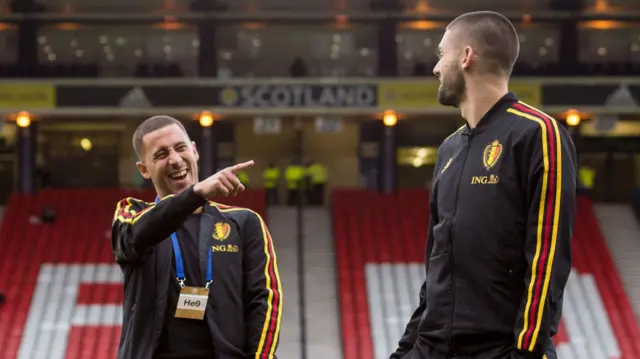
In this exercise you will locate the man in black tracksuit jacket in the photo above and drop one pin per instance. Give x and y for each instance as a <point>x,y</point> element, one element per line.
<point>502,210</point>
<point>244,307</point>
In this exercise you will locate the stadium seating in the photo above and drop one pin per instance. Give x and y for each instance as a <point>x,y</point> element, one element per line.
<point>64,291</point>
<point>380,243</point>
<point>372,229</point>
<point>591,255</point>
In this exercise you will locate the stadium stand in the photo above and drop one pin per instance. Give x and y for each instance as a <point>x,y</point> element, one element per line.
<point>379,284</point>
<point>63,287</point>
<point>381,227</point>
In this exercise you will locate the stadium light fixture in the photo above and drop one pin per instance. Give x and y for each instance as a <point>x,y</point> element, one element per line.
<point>86,144</point>
<point>390,118</point>
<point>573,118</point>
<point>23,120</point>
<point>206,119</point>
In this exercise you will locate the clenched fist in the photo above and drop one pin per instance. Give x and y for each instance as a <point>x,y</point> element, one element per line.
<point>223,183</point>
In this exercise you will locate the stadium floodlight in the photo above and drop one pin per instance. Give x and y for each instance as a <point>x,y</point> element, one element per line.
<point>390,118</point>
<point>23,119</point>
<point>573,118</point>
<point>206,119</point>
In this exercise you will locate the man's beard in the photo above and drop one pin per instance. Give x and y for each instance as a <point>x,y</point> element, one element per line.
<point>452,90</point>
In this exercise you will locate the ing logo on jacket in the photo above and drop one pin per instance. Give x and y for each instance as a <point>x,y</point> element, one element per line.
<point>221,231</point>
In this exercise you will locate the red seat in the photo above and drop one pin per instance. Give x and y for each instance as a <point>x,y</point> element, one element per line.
<point>590,243</point>
<point>371,228</point>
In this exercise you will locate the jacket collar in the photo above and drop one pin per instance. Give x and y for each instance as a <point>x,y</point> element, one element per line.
<point>490,116</point>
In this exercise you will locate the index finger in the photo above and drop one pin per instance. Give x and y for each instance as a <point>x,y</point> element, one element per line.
<point>240,166</point>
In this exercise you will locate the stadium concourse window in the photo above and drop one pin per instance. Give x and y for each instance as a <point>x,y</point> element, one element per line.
<point>83,159</point>
<point>119,50</point>
<point>417,42</point>
<point>415,166</point>
<point>270,50</point>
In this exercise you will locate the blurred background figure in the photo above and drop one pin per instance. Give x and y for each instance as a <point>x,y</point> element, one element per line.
<point>298,68</point>
<point>271,178</point>
<point>48,215</point>
<point>316,180</point>
<point>586,179</point>
<point>295,176</point>
<point>244,178</point>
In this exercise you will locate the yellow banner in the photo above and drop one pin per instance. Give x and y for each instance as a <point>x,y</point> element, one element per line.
<point>529,92</point>
<point>417,95</point>
<point>409,95</point>
<point>27,96</point>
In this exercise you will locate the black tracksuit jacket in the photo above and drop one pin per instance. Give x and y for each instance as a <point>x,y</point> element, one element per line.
<point>245,298</point>
<point>499,247</point>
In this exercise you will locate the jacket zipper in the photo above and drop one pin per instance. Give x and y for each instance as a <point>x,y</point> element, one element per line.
<point>451,260</point>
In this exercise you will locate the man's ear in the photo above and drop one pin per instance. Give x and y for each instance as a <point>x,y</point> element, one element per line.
<point>468,57</point>
<point>142,168</point>
<point>195,150</point>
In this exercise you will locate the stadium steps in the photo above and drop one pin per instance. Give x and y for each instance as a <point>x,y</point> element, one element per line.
<point>379,283</point>
<point>622,235</point>
<point>322,312</point>
<point>64,291</point>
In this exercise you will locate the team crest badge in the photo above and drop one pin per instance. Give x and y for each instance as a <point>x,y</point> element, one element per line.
<point>491,154</point>
<point>221,231</point>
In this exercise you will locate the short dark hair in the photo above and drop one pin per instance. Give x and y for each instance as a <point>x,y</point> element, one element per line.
<point>496,38</point>
<point>149,125</point>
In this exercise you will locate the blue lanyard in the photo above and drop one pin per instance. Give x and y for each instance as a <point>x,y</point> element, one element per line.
<point>180,266</point>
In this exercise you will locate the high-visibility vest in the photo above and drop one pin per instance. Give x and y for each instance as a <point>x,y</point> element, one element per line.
<point>271,176</point>
<point>294,175</point>
<point>587,176</point>
<point>243,177</point>
<point>317,173</point>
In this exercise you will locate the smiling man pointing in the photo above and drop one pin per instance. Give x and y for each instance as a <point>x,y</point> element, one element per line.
<point>201,278</point>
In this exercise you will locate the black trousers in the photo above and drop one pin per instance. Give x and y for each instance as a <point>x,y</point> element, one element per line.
<point>316,194</point>
<point>272,196</point>
<point>293,195</point>
<point>504,352</point>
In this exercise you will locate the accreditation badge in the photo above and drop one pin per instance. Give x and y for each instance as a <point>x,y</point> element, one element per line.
<point>192,303</point>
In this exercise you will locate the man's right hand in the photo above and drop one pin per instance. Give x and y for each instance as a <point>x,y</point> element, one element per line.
<point>223,183</point>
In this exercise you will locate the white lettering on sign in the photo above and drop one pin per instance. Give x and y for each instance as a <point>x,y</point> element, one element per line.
<point>54,309</point>
<point>328,124</point>
<point>192,302</point>
<point>305,95</point>
<point>267,125</point>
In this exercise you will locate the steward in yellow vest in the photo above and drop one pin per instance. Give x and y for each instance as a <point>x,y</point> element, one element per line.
<point>271,177</point>
<point>295,176</point>
<point>317,178</point>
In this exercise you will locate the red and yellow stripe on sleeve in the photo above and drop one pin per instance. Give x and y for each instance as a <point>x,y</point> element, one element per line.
<point>126,213</point>
<point>271,328</point>
<point>547,223</point>
<point>273,317</point>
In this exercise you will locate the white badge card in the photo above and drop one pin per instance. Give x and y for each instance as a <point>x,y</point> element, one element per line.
<point>192,303</point>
